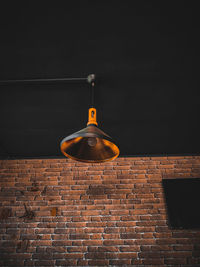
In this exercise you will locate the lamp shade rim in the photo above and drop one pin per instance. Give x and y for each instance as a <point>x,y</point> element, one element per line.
<point>91,160</point>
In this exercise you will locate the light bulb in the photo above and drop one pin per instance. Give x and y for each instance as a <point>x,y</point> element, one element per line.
<point>92,141</point>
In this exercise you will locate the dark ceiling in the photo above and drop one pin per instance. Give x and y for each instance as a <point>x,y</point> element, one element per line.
<point>144,54</point>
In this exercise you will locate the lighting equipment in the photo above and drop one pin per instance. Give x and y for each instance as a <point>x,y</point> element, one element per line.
<point>90,144</point>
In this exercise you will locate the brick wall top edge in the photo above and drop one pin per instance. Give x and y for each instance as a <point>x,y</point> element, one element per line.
<point>76,163</point>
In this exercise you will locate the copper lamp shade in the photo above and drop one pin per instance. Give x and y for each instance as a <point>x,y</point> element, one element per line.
<point>90,144</point>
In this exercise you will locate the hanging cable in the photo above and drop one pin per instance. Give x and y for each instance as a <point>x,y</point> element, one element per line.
<point>91,80</point>
<point>92,94</point>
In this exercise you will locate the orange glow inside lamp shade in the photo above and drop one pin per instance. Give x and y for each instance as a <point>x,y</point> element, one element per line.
<point>90,144</point>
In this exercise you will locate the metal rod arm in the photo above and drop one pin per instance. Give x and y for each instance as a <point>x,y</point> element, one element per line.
<point>90,78</point>
<point>44,80</point>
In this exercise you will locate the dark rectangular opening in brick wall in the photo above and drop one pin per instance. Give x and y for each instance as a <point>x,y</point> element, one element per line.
<point>183,201</point>
<point>57,212</point>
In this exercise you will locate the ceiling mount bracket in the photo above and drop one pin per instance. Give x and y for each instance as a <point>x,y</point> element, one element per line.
<point>91,78</point>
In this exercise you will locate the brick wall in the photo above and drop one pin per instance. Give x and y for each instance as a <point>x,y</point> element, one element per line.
<point>63,213</point>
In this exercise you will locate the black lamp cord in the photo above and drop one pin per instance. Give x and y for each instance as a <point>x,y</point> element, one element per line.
<point>92,94</point>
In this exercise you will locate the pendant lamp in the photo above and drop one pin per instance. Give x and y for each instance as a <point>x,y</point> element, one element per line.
<point>90,144</point>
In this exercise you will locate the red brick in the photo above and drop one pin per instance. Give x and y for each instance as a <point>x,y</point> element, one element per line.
<point>159,248</point>
<point>92,249</point>
<point>145,241</point>
<point>65,262</point>
<point>116,196</point>
<point>76,230</point>
<point>45,237</point>
<point>42,256</point>
<point>126,224</point>
<point>111,230</point>
<point>60,236</point>
<point>98,262</point>
<point>77,243</point>
<point>44,263</point>
<point>61,231</point>
<point>119,212</point>
<point>162,235</point>
<point>129,218</point>
<point>81,219</point>
<point>150,254</point>
<point>125,186</point>
<point>108,249</point>
<point>81,263</point>
<point>147,235</point>
<point>120,262</point>
<point>79,236</point>
<point>129,255</point>
<point>175,261</point>
<point>113,242</point>
<point>111,236</point>
<point>44,231</point>
<point>144,229</point>
<point>130,249</point>
<point>92,242</point>
<point>130,236</point>
<point>162,229</point>
<point>62,243</point>
<point>76,224</point>
<point>110,218</point>
<point>90,212</point>
<point>74,197</point>
<point>186,235</point>
<point>166,241</point>
<point>140,212</point>
<point>95,207</point>
<point>100,255</point>
<point>183,247</point>
<point>95,219</point>
<point>96,224</point>
<point>72,255</point>
<point>177,254</point>
<point>105,212</point>
<point>153,261</point>
<point>95,236</point>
